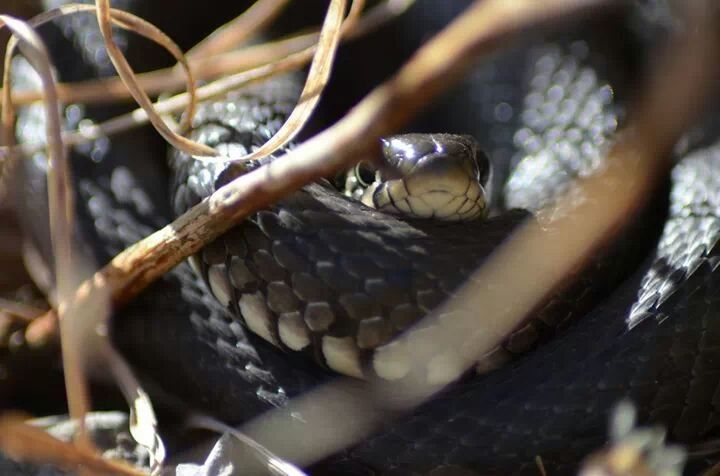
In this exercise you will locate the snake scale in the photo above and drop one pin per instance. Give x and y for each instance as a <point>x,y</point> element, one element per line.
<point>535,107</point>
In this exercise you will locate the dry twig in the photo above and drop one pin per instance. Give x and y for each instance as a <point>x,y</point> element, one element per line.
<point>79,332</point>
<point>25,312</point>
<point>125,71</point>
<point>215,65</point>
<point>323,52</point>
<point>62,206</point>
<point>318,76</point>
<point>234,33</point>
<point>27,443</point>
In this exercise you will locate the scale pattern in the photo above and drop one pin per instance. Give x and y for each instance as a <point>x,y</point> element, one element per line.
<point>320,273</point>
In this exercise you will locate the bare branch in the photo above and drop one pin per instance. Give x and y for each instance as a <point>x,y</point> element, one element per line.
<point>24,442</point>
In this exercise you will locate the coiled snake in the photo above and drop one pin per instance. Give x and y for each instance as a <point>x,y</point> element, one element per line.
<point>315,255</point>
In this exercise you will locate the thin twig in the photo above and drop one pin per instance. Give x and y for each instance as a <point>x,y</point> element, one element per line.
<point>28,443</point>
<point>317,79</point>
<point>61,204</point>
<point>212,66</point>
<point>119,17</point>
<point>78,334</point>
<point>22,311</point>
<point>103,90</point>
<point>233,34</point>
<point>323,51</point>
<point>125,71</point>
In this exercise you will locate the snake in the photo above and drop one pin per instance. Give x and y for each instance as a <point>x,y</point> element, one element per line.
<point>546,108</point>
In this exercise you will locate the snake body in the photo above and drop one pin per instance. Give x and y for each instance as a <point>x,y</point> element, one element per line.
<point>652,339</point>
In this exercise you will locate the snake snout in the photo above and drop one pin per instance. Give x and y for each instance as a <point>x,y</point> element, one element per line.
<point>442,176</point>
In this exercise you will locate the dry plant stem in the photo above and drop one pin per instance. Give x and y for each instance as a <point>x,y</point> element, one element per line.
<point>27,443</point>
<point>61,212</point>
<point>378,15</point>
<point>127,74</point>
<point>22,311</point>
<point>124,20</point>
<point>517,273</point>
<point>131,22</point>
<point>173,104</point>
<point>251,56</point>
<point>323,53</point>
<point>43,330</point>
<point>177,103</point>
<point>220,87</point>
<point>61,208</point>
<point>233,34</point>
<point>318,76</point>
<point>540,466</point>
<point>210,67</point>
<point>170,79</point>
<point>317,79</point>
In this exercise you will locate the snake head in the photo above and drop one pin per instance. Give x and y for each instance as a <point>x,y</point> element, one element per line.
<point>441,176</point>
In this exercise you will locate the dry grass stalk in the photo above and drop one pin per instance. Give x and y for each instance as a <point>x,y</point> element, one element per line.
<point>24,312</point>
<point>317,78</point>
<point>215,65</point>
<point>79,332</point>
<point>119,17</point>
<point>61,204</point>
<point>78,324</point>
<point>233,34</point>
<point>171,79</point>
<point>224,85</point>
<point>128,76</point>
<point>27,443</point>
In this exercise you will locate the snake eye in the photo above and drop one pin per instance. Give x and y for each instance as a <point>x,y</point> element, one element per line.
<point>365,174</point>
<point>485,167</point>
